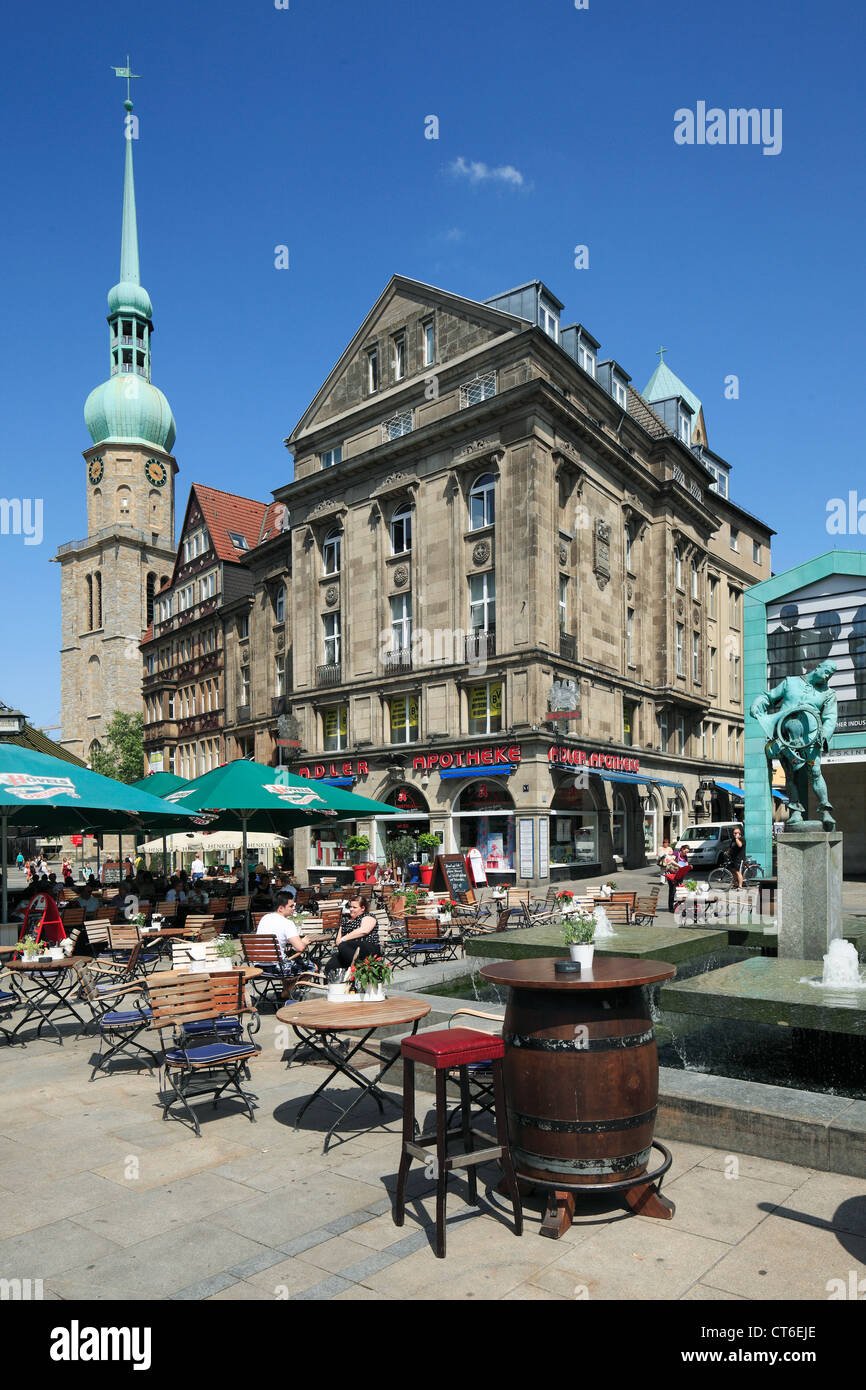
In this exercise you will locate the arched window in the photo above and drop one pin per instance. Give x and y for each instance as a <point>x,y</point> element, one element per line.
<point>483,825</point>
<point>651,826</point>
<point>151,593</point>
<point>695,581</point>
<point>98,598</point>
<point>124,502</point>
<point>401,530</point>
<point>678,567</point>
<point>96,507</point>
<point>280,604</point>
<point>482,507</point>
<point>95,747</point>
<point>332,551</point>
<point>89,602</point>
<point>629,539</point>
<point>94,686</point>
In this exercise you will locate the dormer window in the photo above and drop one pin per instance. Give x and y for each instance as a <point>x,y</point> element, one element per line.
<point>548,320</point>
<point>238,541</point>
<point>398,345</point>
<point>685,428</point>
<point>586,359</point>
<point>620,391</point>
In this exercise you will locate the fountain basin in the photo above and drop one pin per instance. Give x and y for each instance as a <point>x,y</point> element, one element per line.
<point>762,990</point>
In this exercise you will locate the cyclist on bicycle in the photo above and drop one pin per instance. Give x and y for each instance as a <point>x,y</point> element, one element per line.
<point>735,858</point>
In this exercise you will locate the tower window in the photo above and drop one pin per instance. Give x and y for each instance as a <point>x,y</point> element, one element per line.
<point>139,332</point>
<point>139,359</point>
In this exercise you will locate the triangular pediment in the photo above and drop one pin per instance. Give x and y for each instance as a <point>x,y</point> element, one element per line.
<point>404,306</point>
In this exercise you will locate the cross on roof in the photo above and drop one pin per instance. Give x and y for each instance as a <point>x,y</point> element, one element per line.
<point>661,352</point>
<point>127,73</point>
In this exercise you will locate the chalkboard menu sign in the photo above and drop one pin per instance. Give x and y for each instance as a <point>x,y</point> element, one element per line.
<point>450,876</point>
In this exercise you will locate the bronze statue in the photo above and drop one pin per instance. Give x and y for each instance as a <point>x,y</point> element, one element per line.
<point>799,718</point>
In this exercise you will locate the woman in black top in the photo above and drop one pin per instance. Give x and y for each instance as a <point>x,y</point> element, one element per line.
<point>360,932</point>
<point>737,855</point>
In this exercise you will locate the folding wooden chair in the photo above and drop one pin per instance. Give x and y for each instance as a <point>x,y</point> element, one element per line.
<point>118,1028</point>
<point>283,976</point>
<point>198,1064</point>
<point>122,941</point>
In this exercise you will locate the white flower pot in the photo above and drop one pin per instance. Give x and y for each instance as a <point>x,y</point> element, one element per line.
<point>223,963</point>
<point>584,954</point>
<point>374,994</point>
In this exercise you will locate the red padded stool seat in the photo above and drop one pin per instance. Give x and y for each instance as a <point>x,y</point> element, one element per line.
<point>453,1047</point>
<point>444,1049</point>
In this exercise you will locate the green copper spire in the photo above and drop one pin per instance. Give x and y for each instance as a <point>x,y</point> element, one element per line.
<point>129,232</point>
<point>127,406</point>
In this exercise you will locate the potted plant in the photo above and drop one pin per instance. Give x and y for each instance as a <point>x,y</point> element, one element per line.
<point>370,975</point>
<point>30,948</point>
<point>225,949</point>
<point>411,898</point>
<point>578,933</point>
<point>608,888</point>
<point>692,885</point>
<point>429,846</point>
<point>358,845</point>
<point>564,899</point>
<point>401,850</point>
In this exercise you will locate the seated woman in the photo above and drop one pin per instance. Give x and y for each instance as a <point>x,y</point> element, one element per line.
<point>359,932</point>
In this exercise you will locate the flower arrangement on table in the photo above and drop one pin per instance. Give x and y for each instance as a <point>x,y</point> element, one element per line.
<point>371,972</point>
<point>226,947</point>
<point>578,929</point>
<point>411,898</point>
<point>30,947</point>
<point>565,898</point>
<point>692,885</point>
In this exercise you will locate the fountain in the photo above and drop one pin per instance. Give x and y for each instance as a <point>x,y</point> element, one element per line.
<point>842,967</point>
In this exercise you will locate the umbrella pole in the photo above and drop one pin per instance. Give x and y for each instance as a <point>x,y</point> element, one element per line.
<point>119,860</point>
<point>164,857</point>
<point>246,870</point>
<point>5,822</point>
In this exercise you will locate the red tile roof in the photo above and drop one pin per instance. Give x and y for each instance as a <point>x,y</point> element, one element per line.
<point>272,521</point>
<point>224,512</point>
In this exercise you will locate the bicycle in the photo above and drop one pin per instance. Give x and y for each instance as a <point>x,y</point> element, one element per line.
<point>723,877</point>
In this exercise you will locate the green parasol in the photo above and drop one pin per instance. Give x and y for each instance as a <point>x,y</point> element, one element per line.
<point>48,793</point>
<point>256,797</point>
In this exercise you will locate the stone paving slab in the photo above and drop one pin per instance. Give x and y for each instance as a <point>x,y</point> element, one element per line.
<point>256,1212</point>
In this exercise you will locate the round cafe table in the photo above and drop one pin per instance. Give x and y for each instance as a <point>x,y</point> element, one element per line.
<point>46,988</point>
<point>315,1021</point>
<point>581,1082</point>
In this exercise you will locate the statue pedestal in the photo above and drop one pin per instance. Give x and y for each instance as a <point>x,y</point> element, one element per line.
<point>809,899</point>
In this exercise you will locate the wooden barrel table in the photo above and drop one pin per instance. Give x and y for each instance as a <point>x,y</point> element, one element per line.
<point>581,1081</point>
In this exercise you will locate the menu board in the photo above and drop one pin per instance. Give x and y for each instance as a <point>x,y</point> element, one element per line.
<point>526,844</point>
<point>450,876</point>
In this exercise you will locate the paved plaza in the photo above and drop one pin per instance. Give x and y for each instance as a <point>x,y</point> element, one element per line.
<point>100,1200</point>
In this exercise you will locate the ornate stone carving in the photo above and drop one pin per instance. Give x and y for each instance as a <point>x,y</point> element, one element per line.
<point>325,505</point>
<point>696,616</point>
<point>601,551</point>
<point>481,553</point>
<point>401,576</point>
<point>474,448</point>
<point>563,554</point>
<point>281,641</point>
<point>629,591</point>
<point>332,593</point>
<point>680,606</point>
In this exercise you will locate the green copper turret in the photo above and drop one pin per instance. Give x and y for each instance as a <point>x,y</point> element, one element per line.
<point>127,407</point>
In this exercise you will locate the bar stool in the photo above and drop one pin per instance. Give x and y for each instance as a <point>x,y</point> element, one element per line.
<point>444,1050</point>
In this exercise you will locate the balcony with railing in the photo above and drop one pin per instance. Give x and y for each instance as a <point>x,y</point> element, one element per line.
<point>480,388</point>
<point>480,645</point>
<point>398,424</point>
<point>329,674</point>
<point>396,661</point>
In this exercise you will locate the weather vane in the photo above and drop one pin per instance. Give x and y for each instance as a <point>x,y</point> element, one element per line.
<point>127,73</point>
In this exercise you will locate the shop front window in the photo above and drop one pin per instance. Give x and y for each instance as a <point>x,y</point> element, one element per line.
<point>650,829</point>
<point>484,822</point>
<point>329,844</point>
<point>573,828</point>
<point>620,825</point>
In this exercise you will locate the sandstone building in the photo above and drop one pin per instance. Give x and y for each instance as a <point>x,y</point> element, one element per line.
<point>513,593</point>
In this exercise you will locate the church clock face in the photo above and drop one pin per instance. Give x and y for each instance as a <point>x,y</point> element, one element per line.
<point>95,470</point>
<point>156,472</point>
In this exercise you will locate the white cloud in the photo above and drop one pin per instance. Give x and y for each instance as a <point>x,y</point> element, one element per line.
<point>479,172</point>
<point>454,234</point>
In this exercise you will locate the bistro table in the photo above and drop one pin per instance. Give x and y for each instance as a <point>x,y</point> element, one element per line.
<point>581,1082</point>
<point>47,991</point>
<point>315,1020</point>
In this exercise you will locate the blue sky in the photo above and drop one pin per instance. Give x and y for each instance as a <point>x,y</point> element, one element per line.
<point>305,127</point>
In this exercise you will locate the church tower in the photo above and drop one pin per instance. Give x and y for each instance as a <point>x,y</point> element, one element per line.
<point>109,580</point>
